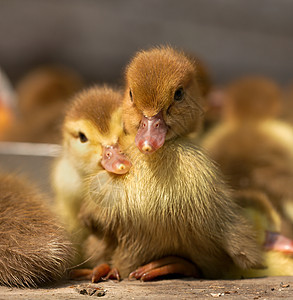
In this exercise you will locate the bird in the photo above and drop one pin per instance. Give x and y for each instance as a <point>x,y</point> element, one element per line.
<point>173,212</point>
<point>91,131</point>
<point>34,247</point>
<point>253,148</point>
<point>42,97</point>
<point>266,222</point>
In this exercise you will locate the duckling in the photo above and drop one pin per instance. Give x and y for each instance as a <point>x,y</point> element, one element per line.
<point>34,248</point>
<point>91,132</point>
<point>265,219</point>
<point>43,94</point>
<point>172,212</point>
<point>252,147</point>
<point>266,222</point>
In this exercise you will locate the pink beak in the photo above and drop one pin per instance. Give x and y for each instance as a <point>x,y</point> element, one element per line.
<point>277,242</point>
<point>114,161</point>
<point>151,134</point>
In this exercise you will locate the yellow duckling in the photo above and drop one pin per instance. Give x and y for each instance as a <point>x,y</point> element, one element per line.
<point>91,133</point>
<point>277,249</point>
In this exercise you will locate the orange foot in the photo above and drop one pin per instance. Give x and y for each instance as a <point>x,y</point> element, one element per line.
<point>100,272</point>
<point>165,266</point>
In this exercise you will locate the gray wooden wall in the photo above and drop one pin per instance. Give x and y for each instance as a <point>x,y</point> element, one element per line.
<point>98,37</point>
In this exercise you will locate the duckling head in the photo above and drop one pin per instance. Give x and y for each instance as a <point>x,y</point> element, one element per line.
<point>92,128</point>
<point>162,98</point>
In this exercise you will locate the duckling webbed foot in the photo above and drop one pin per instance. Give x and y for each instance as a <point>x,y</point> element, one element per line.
<point>113,274</point>
<point>104,272</point>
<point>80,274</point>
<point>100,272</point>
<point>165,266</point>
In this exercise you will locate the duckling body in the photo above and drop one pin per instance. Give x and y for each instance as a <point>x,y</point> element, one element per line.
<point>252,147</point>
<point>159,215</point>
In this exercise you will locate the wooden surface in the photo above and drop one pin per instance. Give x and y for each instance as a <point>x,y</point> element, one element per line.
<point>264,288</point>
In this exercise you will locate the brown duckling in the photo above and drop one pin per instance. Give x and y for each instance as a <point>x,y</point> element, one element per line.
<point>34,248</point>
<point>252,147</point>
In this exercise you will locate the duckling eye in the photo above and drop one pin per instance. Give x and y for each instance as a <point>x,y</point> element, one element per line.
<point>130,94</point>
<point>179,94</point>
<point>82,137</point>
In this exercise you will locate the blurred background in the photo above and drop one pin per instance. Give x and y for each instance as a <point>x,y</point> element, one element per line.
<point>97,38</point>
<point>51,49</point>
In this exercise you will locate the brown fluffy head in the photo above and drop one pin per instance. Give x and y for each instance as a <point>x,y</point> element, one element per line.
<point>95,105</point>
<point>252,98</point>
<point>152,79</point>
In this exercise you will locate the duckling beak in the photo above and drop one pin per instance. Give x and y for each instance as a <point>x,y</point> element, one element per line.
<point>277,242</point>
<point>151,134</point>
<point>114,161</point>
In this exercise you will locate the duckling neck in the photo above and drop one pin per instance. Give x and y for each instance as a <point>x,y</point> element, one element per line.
<point>163,161</point>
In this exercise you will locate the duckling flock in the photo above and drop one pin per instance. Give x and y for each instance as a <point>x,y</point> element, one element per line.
<point>147,185</point>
